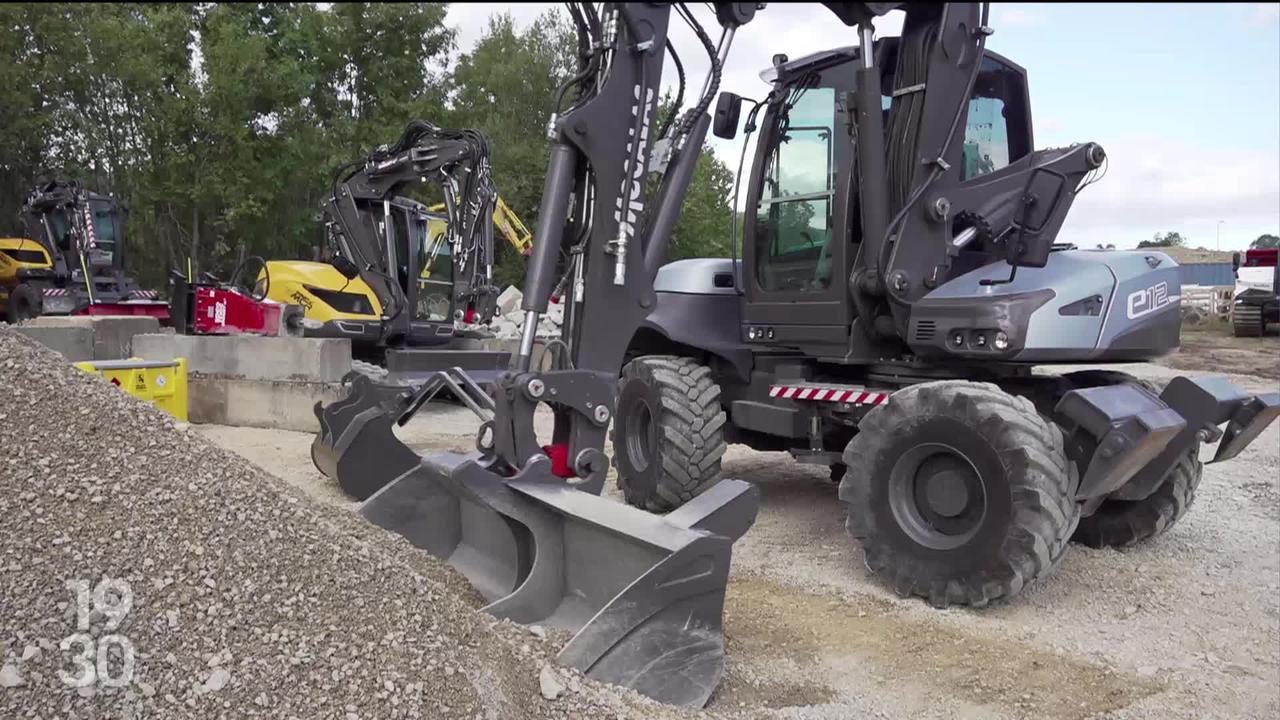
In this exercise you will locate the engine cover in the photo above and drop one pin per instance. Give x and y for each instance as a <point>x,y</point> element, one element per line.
<point>1083,305</point>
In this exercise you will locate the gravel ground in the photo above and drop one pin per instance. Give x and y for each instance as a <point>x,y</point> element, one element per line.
<point>1185,626</point>
<point>246,599</point>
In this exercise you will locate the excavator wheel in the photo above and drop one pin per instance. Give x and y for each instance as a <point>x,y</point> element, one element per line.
<point>668,431</point>
<point>1121,523</point>
<point>959,492</point>
<point>24,304</point>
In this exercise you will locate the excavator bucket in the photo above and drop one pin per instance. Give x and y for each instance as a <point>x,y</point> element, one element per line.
<point>643,594</point>
<point>340,424</point>
<point>356,444</point>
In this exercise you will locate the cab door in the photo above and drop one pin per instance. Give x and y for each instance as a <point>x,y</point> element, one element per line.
<point>434,287</point>
<point>796,250</point>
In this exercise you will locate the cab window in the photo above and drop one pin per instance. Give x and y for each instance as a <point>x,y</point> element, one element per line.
<point>793,216</point>
<point>993,131</point>
<point>435,275</point>
<point>104,227</point>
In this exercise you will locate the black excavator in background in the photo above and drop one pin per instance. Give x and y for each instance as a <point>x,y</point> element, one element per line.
<point>899,281</point>
<point>83,235</point>
<point>399,275</point>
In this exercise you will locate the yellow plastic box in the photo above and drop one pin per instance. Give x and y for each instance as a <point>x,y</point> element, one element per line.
<point>159,382</point>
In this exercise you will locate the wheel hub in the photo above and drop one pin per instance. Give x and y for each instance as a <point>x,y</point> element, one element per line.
<point>945,492</point>
<point>937,496</point>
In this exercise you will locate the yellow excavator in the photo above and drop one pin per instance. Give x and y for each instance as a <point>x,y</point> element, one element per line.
<point>395,272</point>
<point>336,305</point>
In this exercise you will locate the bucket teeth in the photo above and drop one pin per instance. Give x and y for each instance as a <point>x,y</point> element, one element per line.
<point>644,594</point>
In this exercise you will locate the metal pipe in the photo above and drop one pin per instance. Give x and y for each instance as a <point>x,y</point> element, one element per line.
<point>527,333</point>
<point>866,41</point>
<point>872,185</point>
<point>557,187</point>
<point>540,271</point>
<point>388,235</point>
<point>964,237</point>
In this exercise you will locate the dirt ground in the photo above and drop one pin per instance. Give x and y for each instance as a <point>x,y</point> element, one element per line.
<point>1211,347</point>
<point>1186,626</point>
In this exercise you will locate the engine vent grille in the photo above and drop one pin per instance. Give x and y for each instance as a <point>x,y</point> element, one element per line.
<point>925,330</point>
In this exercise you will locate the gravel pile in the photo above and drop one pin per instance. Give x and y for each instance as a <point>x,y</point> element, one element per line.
<point>247,600</point>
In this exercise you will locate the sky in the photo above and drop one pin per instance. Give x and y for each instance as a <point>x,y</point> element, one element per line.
<point>1185,99</point>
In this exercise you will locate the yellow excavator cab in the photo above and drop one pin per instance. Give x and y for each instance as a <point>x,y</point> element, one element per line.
<point>437,226</point>
<point>326,296</point>
<point>20,254</point>
<point>20,260</point>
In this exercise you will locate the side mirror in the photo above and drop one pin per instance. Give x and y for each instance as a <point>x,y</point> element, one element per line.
<point>1235,261</point>
<point>345,266</point>
<point>728,110</point>
<point>1038,208</point>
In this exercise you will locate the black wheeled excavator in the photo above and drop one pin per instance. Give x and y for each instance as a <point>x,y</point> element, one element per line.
<point>82,235</point>
<point>899,279</point>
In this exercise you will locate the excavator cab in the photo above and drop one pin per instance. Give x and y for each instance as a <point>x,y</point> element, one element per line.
<point>802,191</point>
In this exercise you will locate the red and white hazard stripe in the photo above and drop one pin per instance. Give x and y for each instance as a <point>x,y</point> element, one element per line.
<point>56,292</point>
<point>88,227</point>
<point>148,294</point>
<point>829,393</point>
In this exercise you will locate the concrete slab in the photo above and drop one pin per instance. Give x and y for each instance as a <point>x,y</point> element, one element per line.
<point>73,343</point>
<point>112,335</point>
<point>249,357</point>
<point>282,405</point>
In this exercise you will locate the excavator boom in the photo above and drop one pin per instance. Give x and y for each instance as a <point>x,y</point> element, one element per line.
<point>364,227</point>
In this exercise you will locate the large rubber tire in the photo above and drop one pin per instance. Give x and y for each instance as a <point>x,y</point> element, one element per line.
<point>1121,523</point>
<point>668,431</point>
<point>24,304</point>
<point>1247,321</point>
<point>1018,511</point>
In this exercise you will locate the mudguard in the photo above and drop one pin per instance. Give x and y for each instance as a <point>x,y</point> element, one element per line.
<point>1125,439</point>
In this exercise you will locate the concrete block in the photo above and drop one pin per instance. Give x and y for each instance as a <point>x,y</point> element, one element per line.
<point>251,357</point>
<point>278,404</point>
<point>509,301</point>
<point>112,335</point>
<point>74,343</point>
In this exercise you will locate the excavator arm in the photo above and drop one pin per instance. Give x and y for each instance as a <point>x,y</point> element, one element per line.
<point>457,161</point>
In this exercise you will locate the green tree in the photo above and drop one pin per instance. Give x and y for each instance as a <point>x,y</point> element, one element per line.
<point>1169,239</point>
<point>702,230</point>
<point>1265,241</point>
<point>504,88</point>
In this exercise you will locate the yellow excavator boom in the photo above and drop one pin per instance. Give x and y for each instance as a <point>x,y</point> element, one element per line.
<point>507,223</point>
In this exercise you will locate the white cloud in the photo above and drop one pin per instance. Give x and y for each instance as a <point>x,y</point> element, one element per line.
<point>1155,183</point>
<point>471,20</point>
<point>1017,17</point>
